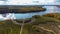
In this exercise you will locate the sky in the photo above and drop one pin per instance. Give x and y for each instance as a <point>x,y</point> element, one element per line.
<point>29,2</point>
<point>50,9</point>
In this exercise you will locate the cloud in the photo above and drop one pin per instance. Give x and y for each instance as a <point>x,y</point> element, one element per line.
<point>9,16</point>
<point>28,2</point>
<point>1,2</point>
<point>1,16</point>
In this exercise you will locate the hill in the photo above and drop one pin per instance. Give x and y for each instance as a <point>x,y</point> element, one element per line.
<point>39,25</point>
<point>53,15</point>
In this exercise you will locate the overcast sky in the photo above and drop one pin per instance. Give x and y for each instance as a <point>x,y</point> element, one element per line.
<point>29,2</point>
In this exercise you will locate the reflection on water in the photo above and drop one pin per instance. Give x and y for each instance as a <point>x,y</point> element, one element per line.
<point>50,9</point>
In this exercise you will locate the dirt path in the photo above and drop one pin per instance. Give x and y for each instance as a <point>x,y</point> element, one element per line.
<point>46,29</point>
<point>22,28</point>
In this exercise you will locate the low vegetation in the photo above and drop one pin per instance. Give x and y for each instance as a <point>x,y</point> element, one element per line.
<point>40,25</point>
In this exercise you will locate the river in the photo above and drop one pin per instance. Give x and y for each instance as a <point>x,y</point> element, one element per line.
<point>50,9</point>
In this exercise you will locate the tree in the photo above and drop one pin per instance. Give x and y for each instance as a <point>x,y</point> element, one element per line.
<point>36,16</point>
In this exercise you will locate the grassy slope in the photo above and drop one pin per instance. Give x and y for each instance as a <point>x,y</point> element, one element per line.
<point>43,20</point>
<point>9,28</point>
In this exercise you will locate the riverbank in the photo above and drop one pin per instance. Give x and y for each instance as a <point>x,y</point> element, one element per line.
<point>40,24</point>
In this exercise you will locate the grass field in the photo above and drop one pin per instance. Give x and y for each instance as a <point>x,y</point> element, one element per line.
<point>8,27</point>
